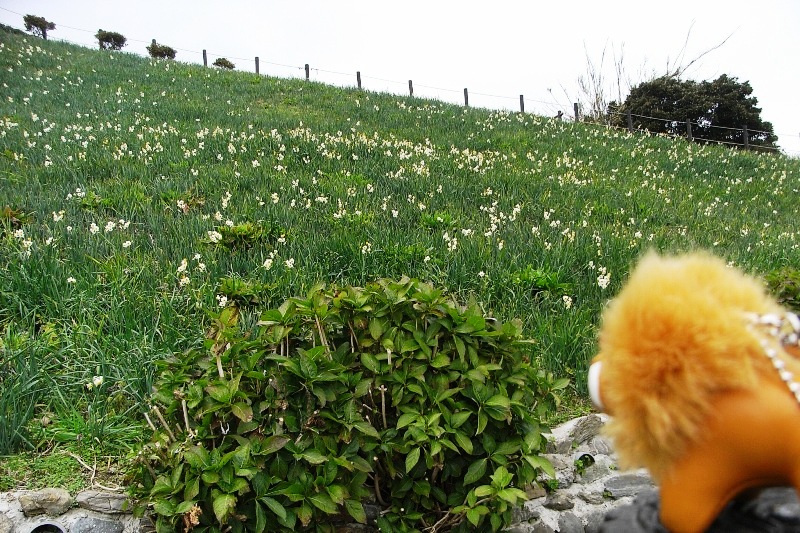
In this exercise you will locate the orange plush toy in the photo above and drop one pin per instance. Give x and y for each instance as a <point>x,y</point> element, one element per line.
<point>699,369</point>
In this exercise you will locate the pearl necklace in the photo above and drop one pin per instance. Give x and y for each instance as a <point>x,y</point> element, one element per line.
<point>783,330</point>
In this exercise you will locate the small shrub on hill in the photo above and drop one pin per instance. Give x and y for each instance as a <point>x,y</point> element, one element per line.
<point>222,62</point>
<point>161,51</point>
<point>110,40</point>
<point>391,395</point>
<point>785,285</point>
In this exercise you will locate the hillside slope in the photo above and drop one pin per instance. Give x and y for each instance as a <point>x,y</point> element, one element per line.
<point>143,193</point>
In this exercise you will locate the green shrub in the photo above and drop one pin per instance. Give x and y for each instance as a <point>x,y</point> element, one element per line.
<point>391,395</point>
<point>222,62</point>
<point>110,40</point>
<point>161,51</point>
<point>785,285</point>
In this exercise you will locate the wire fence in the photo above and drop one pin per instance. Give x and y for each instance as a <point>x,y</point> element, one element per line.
<point>748,138</point>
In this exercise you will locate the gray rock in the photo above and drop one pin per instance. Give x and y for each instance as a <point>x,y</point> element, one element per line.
<point>53,502</point>
<point>594,521</point>
<point>541,527</point>
<point>6,525</point>
<point>586,428</point>
<point>525,513</point>
<point>96,525</point>
<point>569,523</point>
<point>520,528</point>
<point>103,502</point>
<point>627,485</point>
<point>600,445</point>
<point>600,467</point>
<point>592,497</point>
<point>558,501</point>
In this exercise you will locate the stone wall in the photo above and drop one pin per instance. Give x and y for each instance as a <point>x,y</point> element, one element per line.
<point>589,495</point>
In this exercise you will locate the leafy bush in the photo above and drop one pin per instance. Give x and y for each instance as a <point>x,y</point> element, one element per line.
<point>785,285</point>
<point>161,51</point>
<point>38,25</point>
<point>222,62</point>
<point>390,395</point>
<point>110,40</point>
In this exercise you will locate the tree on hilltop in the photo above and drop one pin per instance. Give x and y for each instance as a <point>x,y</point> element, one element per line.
<point>161,51</point>
<point>38,25</point>
<point>110,40</point>
<point>223,62</point>
<point>718,110</point>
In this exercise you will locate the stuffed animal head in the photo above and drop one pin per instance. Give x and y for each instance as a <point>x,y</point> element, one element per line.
<point>683,330</point>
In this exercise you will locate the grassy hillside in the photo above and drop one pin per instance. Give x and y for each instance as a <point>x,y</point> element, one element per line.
<point>140,196</point>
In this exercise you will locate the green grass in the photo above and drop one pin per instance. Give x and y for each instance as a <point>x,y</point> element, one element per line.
<point>115,169</point>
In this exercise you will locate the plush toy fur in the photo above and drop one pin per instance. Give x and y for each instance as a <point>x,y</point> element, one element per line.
<point>676,336</point>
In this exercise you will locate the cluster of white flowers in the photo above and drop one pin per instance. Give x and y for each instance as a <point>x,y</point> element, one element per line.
<point>366,248</point>
<point>604,278</point>
<point>452,242</point>
<point>214,236</point>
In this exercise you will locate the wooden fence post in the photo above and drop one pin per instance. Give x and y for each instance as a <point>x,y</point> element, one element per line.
<point>575,107</point>
<point>358,78</point>
<point>746,137</point>
<point>630,120</point>
<point>205,58</point>
<point>521,104</point>
<point>410,88</point>
<point>689,129</point>
<point>256,64</point>
<point>466,98</point>
<point>308,71</point>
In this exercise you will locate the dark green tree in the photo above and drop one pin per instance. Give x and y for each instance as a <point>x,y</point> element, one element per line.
<point>110,40</point>
<point>718,110</point>
<point>161,51</point>
<point>38,25</point>
<point>225,63</point>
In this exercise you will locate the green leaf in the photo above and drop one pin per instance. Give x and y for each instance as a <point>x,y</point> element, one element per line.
<point>197,457</point>
<point>305,512</point>
<point>366,429</point>
<point>184,506</point>
<point>337,493</point>
<point>192,488</point>
<point>483,491</point>
<point>314,457</point>
<point>369,361</point>
<point>356,510</point>
<point>242,411</point>
<point>412,458</point>
<point>261,518</point>
<point>464,441</point>
<point>458,419</point>
<point>323,502</point>
<point>537,461</point>
<point>363,387</point>
<point>221,393</point>
<point>482,421</point>
<point>377,327</point>
<point>440,361</point>
<point>224,505</point>
<point>511,495</point>
<point>476,471</point>
<point>164,507</point>
<point>474,514</point>
<point>275,507</point>
<point>273,444</point>
<point>406,419</point>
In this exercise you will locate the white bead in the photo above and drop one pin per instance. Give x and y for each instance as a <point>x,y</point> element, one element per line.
<point>778,364</point>
<point>771,353</point>
<point>794,387</point>
<point>786,375</point>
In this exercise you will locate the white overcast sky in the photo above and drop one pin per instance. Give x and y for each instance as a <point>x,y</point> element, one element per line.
<point>498,49</point>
